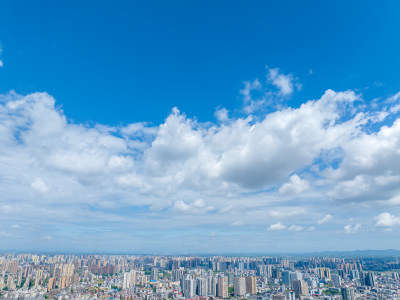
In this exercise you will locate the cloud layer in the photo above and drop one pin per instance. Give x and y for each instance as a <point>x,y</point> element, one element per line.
<point>237,176</point>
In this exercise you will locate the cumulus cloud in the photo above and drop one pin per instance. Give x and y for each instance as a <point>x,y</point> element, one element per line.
<point>249,87</point>
<point>295,185</point>
<point>350,229</point>
<point>386,220</point>
<point>325,219</point>
<point>296,228</point>
<point>39,185</point>
<point>277,227</point>
<point>197,206</point>
<point>283,82</point>
<point>222,114</point>
<point>253,96</point>
<point>370,167</point>
<point>244,168</point>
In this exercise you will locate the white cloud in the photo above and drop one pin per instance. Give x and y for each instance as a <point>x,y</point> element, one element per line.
<point>325,219</point>
<point>288,212</point>
<point>47,237</point>
<point>6,209</point>
<point>39,185</point>
<point>277,227</point>
<point>250,86</point>
<point>117,162</point>
<point>244,169</point>
<point>296,228</point>
<point>394,98</point>
<point>251,102</point>
<point>283,82</point>
<point>350,229</point>
<point>237,223</point>
<point>7,234</point>
<point>370,167</point>
<point>395,109</point>
<point>222,114</point>
<point>16,226</point>
<point>296,185</point>
<point>386,220</point>
<point>1,63</point>
<point>195,207</point>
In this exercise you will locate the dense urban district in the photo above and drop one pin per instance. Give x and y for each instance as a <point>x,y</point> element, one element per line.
<point>33,276</point>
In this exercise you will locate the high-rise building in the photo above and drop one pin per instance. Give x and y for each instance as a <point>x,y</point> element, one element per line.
<point>251,285</point>
<point>231,275</point>
<point>276,273</point>
<point>239,286</point>
<point>367,279</point>
<point>127,281</point>
<point>300,288</point>
<point>132,279</point>
<point>222,287</point>
<point>213,287</point>
<point>177,275</point>
<point>202,287</point>
<point>347,293</point>
<point>189,287</point>
<point>287,277</point>
<point>154,274</point>
<point>337,281</point>
<point>51,284</point>
<point>325,274</point>
<point>296,276</point>
<point>395,276</point>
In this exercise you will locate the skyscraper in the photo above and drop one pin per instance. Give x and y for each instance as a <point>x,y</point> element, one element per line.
<point>154,274</point>
<point>251,285</point>
<point>239,286</point>
<point>286,277</point>
<point>337,281</point>
<point>202,287</point>
<point>177,274</point>
<point>347,293</point>
<point>189,287</point>
<point>222,287</point>
<point>300,288</point>
<point>132,278</point>
<point>127,281</point>
<point>367,279</point>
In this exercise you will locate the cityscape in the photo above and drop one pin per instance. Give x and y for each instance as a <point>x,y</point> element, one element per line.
<point>40,276</point>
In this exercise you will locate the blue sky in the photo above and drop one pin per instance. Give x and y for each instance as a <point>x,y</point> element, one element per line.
<point>187,126</point>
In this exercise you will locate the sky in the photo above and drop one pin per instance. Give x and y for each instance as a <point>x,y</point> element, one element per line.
<point>189,127</point>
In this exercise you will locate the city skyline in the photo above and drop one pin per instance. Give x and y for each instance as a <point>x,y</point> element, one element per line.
<point>63,276</point>
<point>199,128</point>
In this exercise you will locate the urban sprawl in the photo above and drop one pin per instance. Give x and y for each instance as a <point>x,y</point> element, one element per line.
<point>33,276</point>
